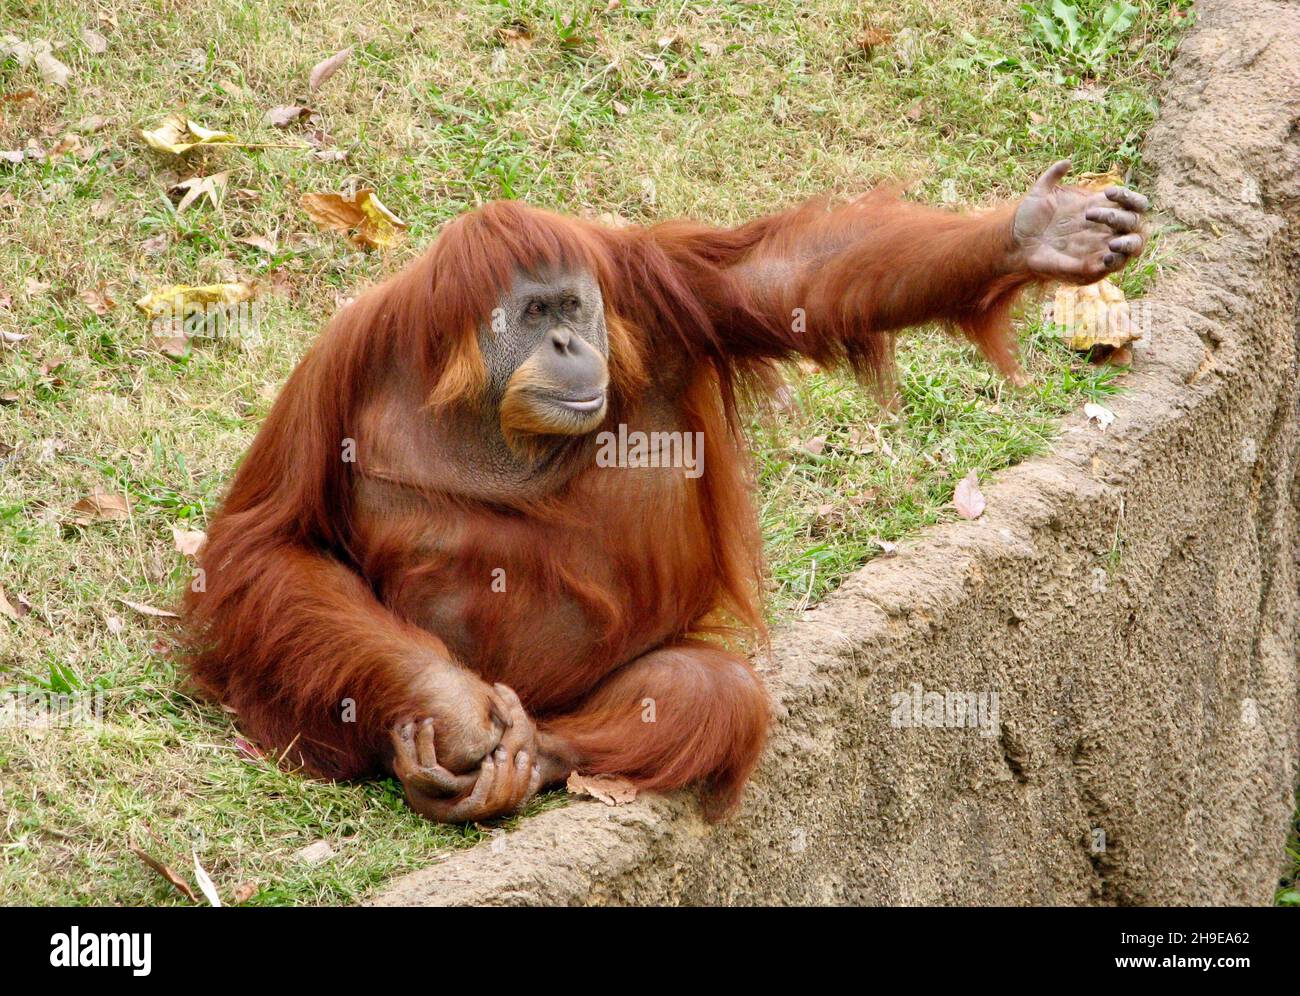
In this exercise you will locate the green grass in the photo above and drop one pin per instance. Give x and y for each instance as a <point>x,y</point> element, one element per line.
<point>714,110</point>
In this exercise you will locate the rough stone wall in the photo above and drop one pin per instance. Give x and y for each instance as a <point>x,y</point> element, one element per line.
<point>1131,598</point>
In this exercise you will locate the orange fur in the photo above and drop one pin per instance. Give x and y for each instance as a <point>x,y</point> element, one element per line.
<point>329,581</point>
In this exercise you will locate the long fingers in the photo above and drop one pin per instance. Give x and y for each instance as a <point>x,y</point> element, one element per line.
<point>1130,199</point>
<point>415,761</point>
<point>503,784</point>
<point>522,733</point>
<point>1120,221</point>
<point>474,806</point>
<point>510,788</point>
<point>1129,245</point>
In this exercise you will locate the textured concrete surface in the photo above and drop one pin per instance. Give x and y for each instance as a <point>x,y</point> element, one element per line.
<point>1131,599</point>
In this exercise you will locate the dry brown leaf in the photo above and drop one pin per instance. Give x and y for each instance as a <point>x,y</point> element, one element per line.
<point>244,891</point>
<point>148,610</point>
<point>188,541</point>
<point>326,68</point>
<point>92,123</point>
<point>114,624</point>
<point>180,884</point>
<point>286,114</point>
<point>98,300</point>
<point>363,214</point>
<point>813,445</point>
<point>103,507</point>
<point>874,38</point>
<point>515,34</point>
<point>609,789</point>
<point>7,609</point>
<point>967,499</point>
<point>259,242</point>
<point>68,143</point>
<point>174,347</point>
<point>95,43</point>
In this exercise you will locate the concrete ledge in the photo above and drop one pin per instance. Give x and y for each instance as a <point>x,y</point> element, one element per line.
<point>1160,710</point>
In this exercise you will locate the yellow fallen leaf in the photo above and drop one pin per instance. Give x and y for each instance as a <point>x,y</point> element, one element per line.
<point>332,212</point>
<point>364,214</point>
<point>213,187</point>
<point>179,300</point>
<point>178,134</point>
<point>1094,315</point>
<point>1100,181</point>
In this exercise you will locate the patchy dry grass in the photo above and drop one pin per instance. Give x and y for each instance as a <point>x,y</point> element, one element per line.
<point>716,110</point>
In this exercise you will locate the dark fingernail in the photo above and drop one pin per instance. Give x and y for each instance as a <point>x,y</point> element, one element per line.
<point>521,761</point>
<point>1109,260</point>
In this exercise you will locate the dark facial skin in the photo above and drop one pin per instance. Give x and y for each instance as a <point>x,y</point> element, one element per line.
<point>546,351</point>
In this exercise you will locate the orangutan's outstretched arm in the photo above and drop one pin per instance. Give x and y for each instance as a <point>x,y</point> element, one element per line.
<point>832,284</point>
